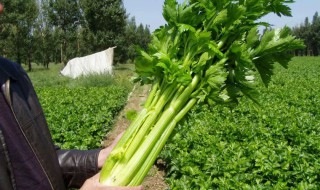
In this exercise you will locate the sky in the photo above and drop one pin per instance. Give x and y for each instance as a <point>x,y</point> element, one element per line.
<point>149,12</point>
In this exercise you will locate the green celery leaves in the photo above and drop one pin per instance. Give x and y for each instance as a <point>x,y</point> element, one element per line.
<point>209,52</point>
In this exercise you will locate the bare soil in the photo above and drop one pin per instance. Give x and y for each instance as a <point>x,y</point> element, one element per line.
<point>155,178</point>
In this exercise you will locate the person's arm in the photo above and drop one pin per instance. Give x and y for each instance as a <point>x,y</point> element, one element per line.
<point>79,165</point>
<point>80,169</point>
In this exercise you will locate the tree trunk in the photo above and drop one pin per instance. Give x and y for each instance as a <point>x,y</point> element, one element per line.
<point>29,64</point>
<point>315,50</point>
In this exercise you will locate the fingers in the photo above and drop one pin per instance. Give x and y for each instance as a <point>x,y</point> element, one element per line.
<point>1,8</point>
<point>117,139</point>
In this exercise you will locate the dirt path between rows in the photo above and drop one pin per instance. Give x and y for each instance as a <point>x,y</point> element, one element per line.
<point>155,178</point>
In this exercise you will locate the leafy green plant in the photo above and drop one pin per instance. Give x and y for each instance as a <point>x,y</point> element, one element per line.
<point>81,111</point>
<point>80,117</point>
<point>131,114</point>
<point>207,53</point>
<point>276,147</point>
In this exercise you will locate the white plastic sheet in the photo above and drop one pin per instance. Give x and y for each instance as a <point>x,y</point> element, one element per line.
<point>97,63</point>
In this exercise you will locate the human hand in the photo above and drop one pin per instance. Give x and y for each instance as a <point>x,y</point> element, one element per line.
<point>93,184</point>
<point>1,8</point>
<point>104,153</point>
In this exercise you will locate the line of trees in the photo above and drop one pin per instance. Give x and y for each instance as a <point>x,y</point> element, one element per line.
<point>310,33</point>
<point>44,31</point>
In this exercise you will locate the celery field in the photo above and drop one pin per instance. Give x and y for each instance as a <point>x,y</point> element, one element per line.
<point>274,146</point>
<point>80,112</point>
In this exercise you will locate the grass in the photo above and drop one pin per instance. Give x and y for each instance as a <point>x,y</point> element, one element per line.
<point>51,77</point>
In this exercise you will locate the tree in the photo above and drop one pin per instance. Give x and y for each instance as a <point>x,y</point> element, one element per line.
<point>66,16</point>
<point>131,38</point>
<point>315,34</point>
<point>106,20</point>
<point>143,35</point>
<point>43,31</point>
<point>136,37</point>
<point>43,35</point>
<point>310,33</point>
<point>16,26</point>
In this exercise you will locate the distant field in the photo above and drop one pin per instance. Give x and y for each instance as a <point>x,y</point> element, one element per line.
<point>276,146</point>
<point>42,77</point>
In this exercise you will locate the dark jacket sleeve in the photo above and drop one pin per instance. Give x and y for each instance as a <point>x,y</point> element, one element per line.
<point>78,165</point>
<point>5,179</point>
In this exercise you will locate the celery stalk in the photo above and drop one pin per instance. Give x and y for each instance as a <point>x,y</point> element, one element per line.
<point>206,54</point>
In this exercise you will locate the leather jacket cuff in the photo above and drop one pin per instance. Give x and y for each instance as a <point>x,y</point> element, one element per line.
<point>78,165</point>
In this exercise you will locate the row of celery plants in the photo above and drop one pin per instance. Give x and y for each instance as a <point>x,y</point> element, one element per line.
<point>276,146</point>
<point>80,117</point>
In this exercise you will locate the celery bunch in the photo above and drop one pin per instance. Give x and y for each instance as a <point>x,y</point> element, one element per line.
<point>210,51</point>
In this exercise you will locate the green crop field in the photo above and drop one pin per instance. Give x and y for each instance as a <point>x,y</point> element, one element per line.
<point>80,112</point>
<point>274,146</point>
